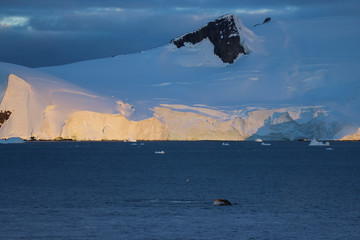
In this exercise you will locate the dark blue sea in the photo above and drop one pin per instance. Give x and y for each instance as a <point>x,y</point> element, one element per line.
<point>117,190</point>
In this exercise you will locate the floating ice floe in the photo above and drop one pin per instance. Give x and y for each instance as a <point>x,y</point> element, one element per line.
<point>11,140</point>
<point>314,142</point>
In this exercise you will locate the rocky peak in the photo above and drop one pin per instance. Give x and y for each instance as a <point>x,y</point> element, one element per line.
<point>223,33</point>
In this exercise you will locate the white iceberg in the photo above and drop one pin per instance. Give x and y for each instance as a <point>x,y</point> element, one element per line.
<point>265,144</point>
<point>314,142</point>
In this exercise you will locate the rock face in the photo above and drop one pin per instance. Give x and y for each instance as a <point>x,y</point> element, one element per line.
<point>4,115</point>
<point>268,19</point>
<point>223,33</point>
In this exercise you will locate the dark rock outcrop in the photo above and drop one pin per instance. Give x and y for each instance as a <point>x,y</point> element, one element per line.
<point>223,33</point>
<point>222,202</point>
<point>268,19</point>
<point>4,115</point>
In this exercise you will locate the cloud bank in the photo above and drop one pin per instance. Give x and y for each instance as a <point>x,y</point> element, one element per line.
<point>43,33</point>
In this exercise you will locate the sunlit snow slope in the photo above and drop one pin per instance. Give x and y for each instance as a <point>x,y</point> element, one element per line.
<point>297,79</point>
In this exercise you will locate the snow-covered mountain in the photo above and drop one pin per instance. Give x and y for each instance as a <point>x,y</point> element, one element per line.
<point>281,80</point>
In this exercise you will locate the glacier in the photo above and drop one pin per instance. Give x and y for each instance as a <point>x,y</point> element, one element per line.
<point>298,79</point>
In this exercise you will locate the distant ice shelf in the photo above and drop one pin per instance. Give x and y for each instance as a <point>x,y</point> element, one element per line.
<point>291,84</point>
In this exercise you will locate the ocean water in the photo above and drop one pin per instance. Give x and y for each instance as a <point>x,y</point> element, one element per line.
<point>116,190</point>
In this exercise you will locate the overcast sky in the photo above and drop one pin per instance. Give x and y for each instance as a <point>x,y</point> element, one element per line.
<point>38,33</point>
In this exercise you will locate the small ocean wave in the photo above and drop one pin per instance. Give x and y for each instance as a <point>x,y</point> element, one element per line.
<point>163,201</point>
<point>174,201</point>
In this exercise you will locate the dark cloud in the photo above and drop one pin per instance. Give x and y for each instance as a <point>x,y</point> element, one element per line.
<point>152,4</point>
<point>42,32</point>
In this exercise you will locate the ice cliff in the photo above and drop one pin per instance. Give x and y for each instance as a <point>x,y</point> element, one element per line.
<point>279,81</point>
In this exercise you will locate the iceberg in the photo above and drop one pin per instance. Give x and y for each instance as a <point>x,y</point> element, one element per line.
<point>11,140</point>
<point>314,142</point>
<point>159,152</point>
<point>265,144</point>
